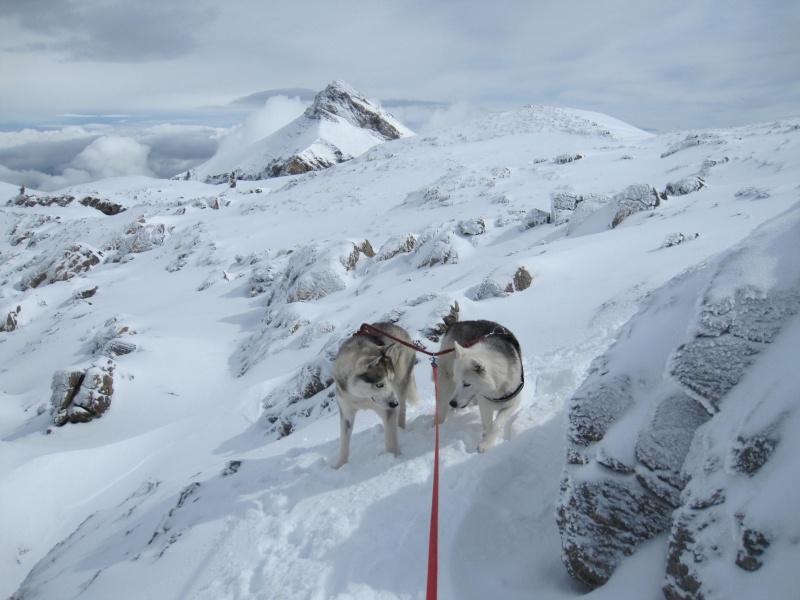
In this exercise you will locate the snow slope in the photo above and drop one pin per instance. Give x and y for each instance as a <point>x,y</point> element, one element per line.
<point>185,487</point>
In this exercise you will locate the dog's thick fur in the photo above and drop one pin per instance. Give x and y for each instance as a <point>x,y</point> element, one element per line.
<point>376,373</point>
<point>489,372</point>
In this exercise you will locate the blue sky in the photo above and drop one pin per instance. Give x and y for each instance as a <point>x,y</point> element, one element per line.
<point>661,65</point>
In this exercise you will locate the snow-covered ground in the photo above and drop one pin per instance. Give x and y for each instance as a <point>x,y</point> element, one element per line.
<point>185,488</point>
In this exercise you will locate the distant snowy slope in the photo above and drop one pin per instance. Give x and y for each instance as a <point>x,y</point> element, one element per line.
<point>198,322</point>
<point>340,125</point>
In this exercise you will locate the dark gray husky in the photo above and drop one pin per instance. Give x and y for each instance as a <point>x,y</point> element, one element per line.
<point>373,372</point>
<point>484,366</point>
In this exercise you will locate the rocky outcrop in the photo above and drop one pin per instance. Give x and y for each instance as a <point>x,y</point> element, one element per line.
<point>633,199</point>
<point>114,339</point>
<point>436,246</point>
<point>664,430</point>
<point>687,185</point>
<point>286,407</point>
<point>501,283</point>
<point>11,322</point>
<point>564,204</point>
<point>81,395</point>
<point>31,200</point>
<point>76,259</point>
<point>313,272</point>
<point>397,244</point>
<point>107,207</point>
<point>140,236</point>
<point>536,217</point>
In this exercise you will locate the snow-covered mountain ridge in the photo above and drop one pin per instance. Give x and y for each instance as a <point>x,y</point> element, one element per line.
<point>221,308</point>
<point>338,126</point>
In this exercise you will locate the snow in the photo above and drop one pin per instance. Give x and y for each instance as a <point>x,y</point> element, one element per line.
<point>183,489</point>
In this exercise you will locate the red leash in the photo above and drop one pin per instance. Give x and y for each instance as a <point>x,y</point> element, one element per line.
<point>433,537</point>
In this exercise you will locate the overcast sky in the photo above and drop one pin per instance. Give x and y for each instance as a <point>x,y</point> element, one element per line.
<point>161,72</point>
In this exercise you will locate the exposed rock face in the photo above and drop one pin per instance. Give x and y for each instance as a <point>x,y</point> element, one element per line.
<point>107,207</point>
<point>343,101</point>
<point>671,422</point>
<point>11,322</point>
<point>31,200</point>
<point>76,259</point>
<point>81,395</point>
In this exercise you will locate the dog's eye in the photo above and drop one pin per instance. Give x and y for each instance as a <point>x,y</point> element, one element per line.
<point>467,384</point>
<point>378,385</point>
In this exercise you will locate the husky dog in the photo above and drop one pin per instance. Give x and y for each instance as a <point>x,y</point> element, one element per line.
<point>374,372</point>
<point>485,365</point>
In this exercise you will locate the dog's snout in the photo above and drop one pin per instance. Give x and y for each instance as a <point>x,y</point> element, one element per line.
<point>393,404</point>
<point>453,403</point>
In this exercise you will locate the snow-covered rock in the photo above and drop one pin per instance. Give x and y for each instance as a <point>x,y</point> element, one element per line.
<point>640,427</point>
<point>81,395</point>
<point>76,259</point>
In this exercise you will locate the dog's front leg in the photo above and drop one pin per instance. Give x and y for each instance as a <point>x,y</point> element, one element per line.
<point>347,419</point>
<point>492,427</point>
<point>390,417</point>
<point>489,425</point>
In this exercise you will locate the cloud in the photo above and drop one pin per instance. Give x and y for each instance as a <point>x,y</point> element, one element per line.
<point>111,30</point>
<point>277,112</point>
<point>455,113</point>
<point>113,156</point>
<point>53,159</point>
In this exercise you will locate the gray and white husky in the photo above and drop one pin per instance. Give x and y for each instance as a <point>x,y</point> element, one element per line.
<point>376,373</point>
<point>484,366</point>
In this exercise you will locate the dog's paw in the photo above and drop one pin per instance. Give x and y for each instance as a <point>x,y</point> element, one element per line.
<point>484,446</point>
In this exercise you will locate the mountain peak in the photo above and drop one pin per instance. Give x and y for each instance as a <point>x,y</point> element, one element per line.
<point>338,126</point>
<point>339,100</point>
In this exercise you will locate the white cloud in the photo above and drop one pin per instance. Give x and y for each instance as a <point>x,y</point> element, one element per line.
<point>113,156</point>
<point>455,113</point>
<point>277,112</point>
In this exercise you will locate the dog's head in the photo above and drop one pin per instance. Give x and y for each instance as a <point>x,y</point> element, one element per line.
<point>373,377</point>
<point>471,376</point>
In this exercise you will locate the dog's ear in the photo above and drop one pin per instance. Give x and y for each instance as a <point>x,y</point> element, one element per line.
<point>390,350</point>
<point>459,349</point>
<point>477,366</point>
<point>367,363</point>
<point>481,371</point>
